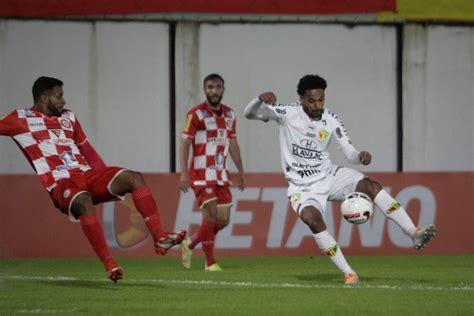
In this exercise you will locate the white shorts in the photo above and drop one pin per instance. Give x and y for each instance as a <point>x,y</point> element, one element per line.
<point>334,187</point>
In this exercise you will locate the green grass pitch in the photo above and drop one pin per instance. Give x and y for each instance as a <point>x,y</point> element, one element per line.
<point>391,285</point>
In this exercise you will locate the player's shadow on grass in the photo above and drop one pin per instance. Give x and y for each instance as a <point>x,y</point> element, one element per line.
<point>98,285</point>
<point>330,278</point>
<point>319,277</point>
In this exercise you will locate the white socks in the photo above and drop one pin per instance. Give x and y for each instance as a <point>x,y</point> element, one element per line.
<point>330,247</point>
<point>394,211</point>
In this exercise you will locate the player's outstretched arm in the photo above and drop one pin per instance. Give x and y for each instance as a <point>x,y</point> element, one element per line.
<point>255,111</point>
<point>91,156</point>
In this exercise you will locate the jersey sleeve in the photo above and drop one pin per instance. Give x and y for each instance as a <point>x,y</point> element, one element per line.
<point>79,135</point>
<point>233,132</point>
<point>8,124</point>
<point>91,156</point>
<point>341,137</point>
<point>191,125</point>
<point>256,110</point>
<point>277,113</point>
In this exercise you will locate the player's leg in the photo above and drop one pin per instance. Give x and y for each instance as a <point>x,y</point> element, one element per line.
<point>224,204</point>
<point>312,217</point>
<point>188,244</point>
<point>82,208</point>
<point>223,217</point>
<point>395,212</point>
<point>124,181</point>
<point>204,195</point>
<point>207,234</point>
<point>72,198</point>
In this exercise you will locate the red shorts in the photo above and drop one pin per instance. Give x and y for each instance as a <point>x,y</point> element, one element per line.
<point>96,182</point>
<point>206,194</point>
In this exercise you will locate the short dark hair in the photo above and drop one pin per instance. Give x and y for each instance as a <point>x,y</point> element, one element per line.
<point>212,77</point>
<point>311,82</point>
<point>43,84</point>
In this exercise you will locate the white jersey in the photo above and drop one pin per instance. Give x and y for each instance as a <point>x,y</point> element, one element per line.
<point>304,142</point>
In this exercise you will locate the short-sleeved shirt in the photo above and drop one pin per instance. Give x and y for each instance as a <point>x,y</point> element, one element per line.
<point>210,134</point>
<point>304,142</point>
<point>48,142</point>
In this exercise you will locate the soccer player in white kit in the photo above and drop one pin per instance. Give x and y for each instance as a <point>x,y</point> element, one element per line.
<point>306,129</point>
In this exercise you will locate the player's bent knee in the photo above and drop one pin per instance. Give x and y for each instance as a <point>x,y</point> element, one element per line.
<point>369,187</point>
<point>312,217</point>
<point>131,179</point>
<point>222,223</point>
<point>82,204</point>
<point>374,187</point>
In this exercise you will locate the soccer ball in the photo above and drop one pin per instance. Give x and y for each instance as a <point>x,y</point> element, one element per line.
<point>357,208</point>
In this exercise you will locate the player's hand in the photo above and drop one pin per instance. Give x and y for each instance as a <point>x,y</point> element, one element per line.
<point>268,98</point>
<point>365,158</point>
<point>241,179</point>
<point>184,181</point>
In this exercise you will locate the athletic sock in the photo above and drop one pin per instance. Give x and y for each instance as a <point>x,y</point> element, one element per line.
<point>330,247</point>
<point>394,211</point>
<point>194,240</point>
<point>94,232</point>
<point>146,206</point>
<point>195,237</point>
<point>207,236</point>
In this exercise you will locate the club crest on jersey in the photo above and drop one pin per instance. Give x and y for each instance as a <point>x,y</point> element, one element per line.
<point>65,123</point>
<point>209,190</point>
<point>323,134</point>
<point>228,123</point>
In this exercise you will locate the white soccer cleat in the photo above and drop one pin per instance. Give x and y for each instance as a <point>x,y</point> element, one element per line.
<point>186,253</point>
<point>423,235</point>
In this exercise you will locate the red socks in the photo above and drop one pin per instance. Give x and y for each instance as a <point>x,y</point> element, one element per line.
<point>195,237</point>
<point>146,205</point>
<point>94,232</point>
<point>207,236</point>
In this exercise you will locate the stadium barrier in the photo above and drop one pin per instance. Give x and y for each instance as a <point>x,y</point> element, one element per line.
<point>262,223</point>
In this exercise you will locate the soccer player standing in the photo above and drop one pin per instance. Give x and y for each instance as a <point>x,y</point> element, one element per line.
<point>306,128</point>
<point>211,130</point>
<point>72,172</point>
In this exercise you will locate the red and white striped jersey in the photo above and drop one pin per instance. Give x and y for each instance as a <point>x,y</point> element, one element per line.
<point>49,143</point>
<point>210,134</point>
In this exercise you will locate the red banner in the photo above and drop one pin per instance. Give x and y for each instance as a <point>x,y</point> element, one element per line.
<point>262,223</point>
<point>55,8</point>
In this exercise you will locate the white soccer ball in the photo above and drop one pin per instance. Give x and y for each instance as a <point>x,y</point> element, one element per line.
<point>357,208</point>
